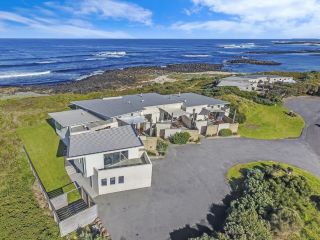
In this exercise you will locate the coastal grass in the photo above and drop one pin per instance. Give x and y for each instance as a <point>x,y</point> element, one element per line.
<point>23,121</point>
<point>42,145</point>
<point>46,152</point>
<point>310,214</point>
<point>266,122</point>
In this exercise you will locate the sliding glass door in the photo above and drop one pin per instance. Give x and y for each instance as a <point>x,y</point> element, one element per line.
<point>114,158</point>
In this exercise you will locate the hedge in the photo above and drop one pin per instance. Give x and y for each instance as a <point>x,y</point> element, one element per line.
<point>225,132</point>
<point>181,138</point>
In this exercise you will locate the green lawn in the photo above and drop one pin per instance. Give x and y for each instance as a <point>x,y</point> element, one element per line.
<point>267,122</point>
<point>310,215</point>
<point>42,145</point>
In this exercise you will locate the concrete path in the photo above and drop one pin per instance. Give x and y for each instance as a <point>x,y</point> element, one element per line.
<point>189,184</point>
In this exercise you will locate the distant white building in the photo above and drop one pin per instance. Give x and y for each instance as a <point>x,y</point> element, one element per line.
<point>252,82</point>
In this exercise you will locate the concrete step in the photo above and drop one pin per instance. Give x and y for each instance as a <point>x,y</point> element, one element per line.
<point>71,209</point>
<point>70,170</point>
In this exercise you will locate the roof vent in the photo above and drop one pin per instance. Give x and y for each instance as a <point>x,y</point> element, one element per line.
<point>129,102</point>
<point>140,94</point>
<point>185,100</point>
<point>142,100</point>
<point>179,94</point>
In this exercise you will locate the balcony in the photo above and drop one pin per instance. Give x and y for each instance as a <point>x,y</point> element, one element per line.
<point>125,162</point>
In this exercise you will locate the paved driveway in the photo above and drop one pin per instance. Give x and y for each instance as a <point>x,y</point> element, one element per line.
<point>191,178</point>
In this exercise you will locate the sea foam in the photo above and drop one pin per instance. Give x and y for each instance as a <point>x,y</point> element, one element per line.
<point>25,74</point>
<point>244,45</point>
<point>196,55</point>
<point>114,54</point>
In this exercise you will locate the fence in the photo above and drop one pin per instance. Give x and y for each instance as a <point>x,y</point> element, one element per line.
<point>42,188</point>
<point>69,217</point>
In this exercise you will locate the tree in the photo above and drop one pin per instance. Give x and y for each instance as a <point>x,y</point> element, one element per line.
<point>246,225</point>
<point>285,221</point>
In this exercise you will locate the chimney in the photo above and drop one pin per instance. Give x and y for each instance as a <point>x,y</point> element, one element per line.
<point>179,94</point>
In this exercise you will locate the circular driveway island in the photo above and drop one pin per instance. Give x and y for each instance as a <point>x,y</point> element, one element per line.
<point>190,183</point>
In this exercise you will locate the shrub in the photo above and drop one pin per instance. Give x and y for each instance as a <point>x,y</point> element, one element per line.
<point>162,146</point>
<point>225,132</point>
<point>181,138</point>
<point>240,117</point>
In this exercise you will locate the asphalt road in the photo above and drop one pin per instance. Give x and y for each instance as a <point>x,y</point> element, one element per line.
<point>189,184</point>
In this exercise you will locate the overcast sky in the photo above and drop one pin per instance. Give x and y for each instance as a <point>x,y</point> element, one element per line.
<point>160,19</point>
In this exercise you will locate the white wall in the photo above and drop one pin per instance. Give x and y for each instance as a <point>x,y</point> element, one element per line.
<point>135,177</point>
<point>97,160</point>
<point>197,108</point>
<point>223,126</point>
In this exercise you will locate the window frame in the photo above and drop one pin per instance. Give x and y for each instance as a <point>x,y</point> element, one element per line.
<point>112,180</point>
<point>104,180</point>
<point>122,178</point>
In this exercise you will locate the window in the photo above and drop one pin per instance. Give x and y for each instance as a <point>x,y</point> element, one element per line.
<point>104,182</point>
<point>121,179</point>
<point>114,158</point>
<point>112,181</point>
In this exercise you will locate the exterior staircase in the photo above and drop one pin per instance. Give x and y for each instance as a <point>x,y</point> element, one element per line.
<point>71,209</point>
<point>69,168</point>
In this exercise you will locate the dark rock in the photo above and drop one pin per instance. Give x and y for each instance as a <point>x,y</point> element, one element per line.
<point>252,61</point>
<point>286,52</point>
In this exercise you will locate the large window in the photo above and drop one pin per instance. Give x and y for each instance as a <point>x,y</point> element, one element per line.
<point>114,158</point>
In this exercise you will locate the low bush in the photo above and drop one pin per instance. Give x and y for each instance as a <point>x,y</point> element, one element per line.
<point>162,146</point>
<point>225,132</point>
<point>181,138</point>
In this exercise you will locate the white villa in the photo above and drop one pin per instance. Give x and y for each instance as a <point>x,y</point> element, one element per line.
<point>252,82</point>
<point>103,136</point>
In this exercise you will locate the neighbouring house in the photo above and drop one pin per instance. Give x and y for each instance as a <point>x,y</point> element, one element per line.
<point>159,115</point>
<point>103,137</point>
<point>253,82</point>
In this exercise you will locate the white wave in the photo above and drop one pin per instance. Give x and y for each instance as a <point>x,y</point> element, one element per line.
<point>244,45</point>
<point>196,55</point>
<point>114,54</point>
<point>19,75</point>
<point>98,72</point>
<point>46,62</point>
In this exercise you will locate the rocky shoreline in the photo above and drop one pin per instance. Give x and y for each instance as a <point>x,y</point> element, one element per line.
<point>114,79</point>
<point>252,61</point>
<point>311,51</point>
<point>311,43</point>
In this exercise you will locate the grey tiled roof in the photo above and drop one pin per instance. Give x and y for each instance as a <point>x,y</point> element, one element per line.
<point>112,107</point>
<point>103,141</point>
<point>193,99</point>
<point>73,117</point>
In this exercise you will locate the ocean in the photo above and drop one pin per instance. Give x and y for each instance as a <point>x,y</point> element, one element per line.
<point>43,61</point>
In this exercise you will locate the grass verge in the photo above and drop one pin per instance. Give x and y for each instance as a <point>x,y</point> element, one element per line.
<point>266,122</point>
